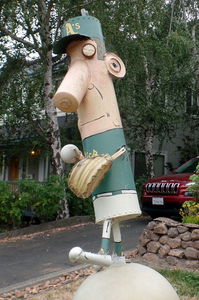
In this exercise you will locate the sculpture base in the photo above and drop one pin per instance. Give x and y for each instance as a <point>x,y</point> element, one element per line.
<point>126,282</point>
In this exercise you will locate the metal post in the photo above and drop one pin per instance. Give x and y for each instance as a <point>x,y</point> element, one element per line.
<point>106,233</point>
<point>117,238</point>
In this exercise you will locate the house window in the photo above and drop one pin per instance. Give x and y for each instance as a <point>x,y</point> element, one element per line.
<point>192,102</point>
<point>13,168</point>
<point>140,164</point>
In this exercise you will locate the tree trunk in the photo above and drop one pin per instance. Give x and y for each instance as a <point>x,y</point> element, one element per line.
<point>54,132</point>
<point>44,12</point>
<point>149,133</point>
<point>149,139</point>
<point>196,58</point>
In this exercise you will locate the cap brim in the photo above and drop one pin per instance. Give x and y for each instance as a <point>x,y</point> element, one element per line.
<point>61,45</point>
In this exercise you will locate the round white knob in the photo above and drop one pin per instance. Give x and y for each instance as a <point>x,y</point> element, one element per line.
<point>75,253</point>
<point>69,153</point>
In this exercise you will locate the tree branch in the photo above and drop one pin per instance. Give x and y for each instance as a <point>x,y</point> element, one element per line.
<point>29,28</point>
<point>171,19</point>
<point>18,39</point>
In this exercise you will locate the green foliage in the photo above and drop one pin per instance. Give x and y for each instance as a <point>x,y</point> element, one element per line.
<point>190,212</point>
<point>42,199</point>
<point>139,185</point>
<point>186,283</point>
<point>190,209</point>
<point>191,219</point>
<point>6,198</point>
<point>190,146</point>
<point>194,188</point>
<point>79,206</point>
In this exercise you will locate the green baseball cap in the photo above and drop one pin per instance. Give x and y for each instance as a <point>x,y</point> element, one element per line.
<point>78,28</point>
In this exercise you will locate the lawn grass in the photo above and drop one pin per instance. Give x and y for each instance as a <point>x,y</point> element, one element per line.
<point>185,283</point>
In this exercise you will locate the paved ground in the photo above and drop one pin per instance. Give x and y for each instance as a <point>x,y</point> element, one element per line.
<point>44,252</point>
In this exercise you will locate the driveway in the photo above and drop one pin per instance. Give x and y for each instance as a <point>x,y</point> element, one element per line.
<point>45,252</point>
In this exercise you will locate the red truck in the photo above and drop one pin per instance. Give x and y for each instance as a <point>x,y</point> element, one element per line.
<point>164,195</point>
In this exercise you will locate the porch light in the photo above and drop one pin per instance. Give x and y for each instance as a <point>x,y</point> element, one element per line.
<point>32,153</point>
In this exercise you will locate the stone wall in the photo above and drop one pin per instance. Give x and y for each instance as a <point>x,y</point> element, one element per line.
<point>166,239</point>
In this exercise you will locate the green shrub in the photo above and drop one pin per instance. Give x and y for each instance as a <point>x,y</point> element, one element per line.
<point>78,206</point>
<point>190,209</point>
<point>194,188</point>
<point>6,199</point>
<point>42,199</point>
<point>190,212</point>
<point>139,184</point>
<point>191,219</point>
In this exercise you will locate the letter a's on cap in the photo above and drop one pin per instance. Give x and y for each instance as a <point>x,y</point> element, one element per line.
<point>76,29</point>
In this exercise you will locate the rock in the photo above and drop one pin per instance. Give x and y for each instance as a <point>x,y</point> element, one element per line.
<point>192,264</point>
<point>153,246</point>
<point>173,232</point>
<point>142,250</point>
<point>151,257</point>
<point>185,236</point>
<point>172,260</point>
<point>191,253</point>
<point>143,241</point>
<point>174,243</point>
<point>179,253</point>
<point>151,225</point>
<point>195,234</point>
<point>168,221</point>
<point>182,229</point>
<point>151,235</point>
<point>190,225</point>
<point>160,229</point>
<point>195,244</point>
<point>186,244</point>
<point>163,239</point>
<point>163,250</point>
<point>154,237</point>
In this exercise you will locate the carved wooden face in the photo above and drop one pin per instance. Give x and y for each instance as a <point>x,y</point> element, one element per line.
<point>88,50</point>
<point>88,88</point>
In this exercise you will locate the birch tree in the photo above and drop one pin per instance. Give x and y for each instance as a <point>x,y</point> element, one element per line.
<point>157,49</point>
<point>28,30</point>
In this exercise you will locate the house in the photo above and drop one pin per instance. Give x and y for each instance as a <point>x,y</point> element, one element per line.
<point>33,161</point>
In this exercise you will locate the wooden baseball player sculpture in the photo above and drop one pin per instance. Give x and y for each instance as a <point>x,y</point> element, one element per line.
<point>88,90</point>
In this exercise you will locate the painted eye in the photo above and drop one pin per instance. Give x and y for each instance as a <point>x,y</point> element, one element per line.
<point>89,50</point>
<point>115,65</point>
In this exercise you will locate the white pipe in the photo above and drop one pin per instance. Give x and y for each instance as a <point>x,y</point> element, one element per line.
<point>116,232</point>
<point>77,255</point>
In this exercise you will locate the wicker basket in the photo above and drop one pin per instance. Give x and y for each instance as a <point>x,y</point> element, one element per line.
<point>86,175</point>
